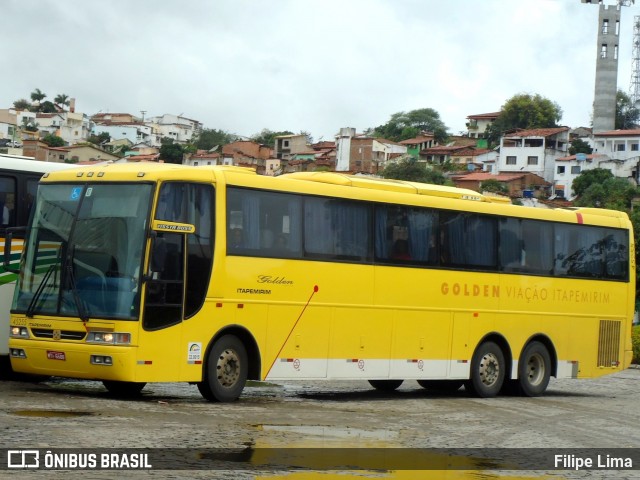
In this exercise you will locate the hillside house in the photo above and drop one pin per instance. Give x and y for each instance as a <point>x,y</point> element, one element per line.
<point>533,150</point>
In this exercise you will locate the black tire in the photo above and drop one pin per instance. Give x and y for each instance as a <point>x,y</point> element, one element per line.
<point>444,386</point>
<point>124,389</point>
<point>385,385</point>
<point>226,370</point>
<point>487,371</point>
<point>534,369</point>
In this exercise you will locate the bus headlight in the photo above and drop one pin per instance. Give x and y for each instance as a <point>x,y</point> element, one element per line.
<point>111,338</point>
<point>19,332</point>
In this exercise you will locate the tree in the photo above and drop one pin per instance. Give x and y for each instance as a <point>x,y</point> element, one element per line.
<point>409,169</point>
<point>103,137</point>
<point>46,107</point>
<point>589,177</point>
<point>21,104</point>
<point>211,137</point>
<point>29,125</point>
<point>37,95</point>
<point>493,185</point>
<point>627,114</point>
<point>614,193</point>
<point>579,146</point>
<point>268,137</point>
<point>171,152</point>
<point>524,111</point>
<point>404,125</point>
<point>54,141</point>
<point>307,135</point>
<point>62,100</point>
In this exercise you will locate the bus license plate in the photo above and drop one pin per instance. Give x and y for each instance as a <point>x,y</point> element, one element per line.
<point>53,355</point>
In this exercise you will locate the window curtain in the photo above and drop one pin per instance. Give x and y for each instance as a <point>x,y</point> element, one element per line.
<point>295,224</point>
<point>318,227</point>
<point>421,232</point>
<point>480,241</point>
<point>351,225</point>
<point>251,220</point>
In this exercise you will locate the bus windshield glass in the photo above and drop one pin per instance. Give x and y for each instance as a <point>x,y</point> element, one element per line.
<point>83,255</point>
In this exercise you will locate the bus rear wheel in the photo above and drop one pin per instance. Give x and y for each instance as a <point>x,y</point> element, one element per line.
<point>534,370</point>
<point>487,371</point>
<point>445,386</point>
<point>226,370</point>
<point>385,385</point>
<point>124,389</point>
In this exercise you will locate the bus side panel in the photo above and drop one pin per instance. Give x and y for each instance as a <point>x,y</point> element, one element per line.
<point>297,342</point>
<point>421,344</point>
<point>360,344</point>
<point>6,296</point>
<point>160,355</point>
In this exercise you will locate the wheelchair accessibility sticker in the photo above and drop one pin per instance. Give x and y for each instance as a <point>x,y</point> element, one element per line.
<point>75,193</point>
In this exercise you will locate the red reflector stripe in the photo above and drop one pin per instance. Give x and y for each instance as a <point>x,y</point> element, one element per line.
<point>580,219</point>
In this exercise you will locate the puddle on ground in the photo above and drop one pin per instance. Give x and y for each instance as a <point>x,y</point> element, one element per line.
<point>50,413</point>
<point>406,475</point>
<point>327,452</point>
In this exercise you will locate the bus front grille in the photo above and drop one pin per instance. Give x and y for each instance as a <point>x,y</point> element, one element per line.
<point>64,334</point>
<point>609,344</point>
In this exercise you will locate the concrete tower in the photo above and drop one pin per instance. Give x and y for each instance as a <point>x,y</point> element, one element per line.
<point>634,85</point>
<point>606,87</point>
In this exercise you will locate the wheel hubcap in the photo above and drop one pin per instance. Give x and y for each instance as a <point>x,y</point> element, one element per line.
<point>228,368</point>
<point>489,369</point>
<point>535,369</point>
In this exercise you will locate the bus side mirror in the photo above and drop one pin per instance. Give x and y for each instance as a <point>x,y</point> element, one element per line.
<point>6,262</point>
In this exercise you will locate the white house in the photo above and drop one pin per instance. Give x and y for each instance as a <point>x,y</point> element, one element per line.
<point>568,168</point>
<point>534,150</point>
<point>620,150</point>
<point>118,132</point>
<point>176,127</point>
<point>477,124</point>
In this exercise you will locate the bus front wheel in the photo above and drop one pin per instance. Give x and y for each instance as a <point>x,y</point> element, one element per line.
<point>487,371</point>
<point>226,370</point>
<point>385,385</point>
<point>534,369</point>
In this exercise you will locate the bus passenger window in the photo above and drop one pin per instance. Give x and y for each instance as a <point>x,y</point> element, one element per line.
<point>264,224</point>
<point>406,234</point>
<point>7,201</point>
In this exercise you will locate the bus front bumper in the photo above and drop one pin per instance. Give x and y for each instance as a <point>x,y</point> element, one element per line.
<point>94,362</point>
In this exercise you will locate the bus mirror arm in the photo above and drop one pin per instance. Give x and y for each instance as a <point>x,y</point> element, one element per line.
<point>6,263</point>
<point>158,256</point>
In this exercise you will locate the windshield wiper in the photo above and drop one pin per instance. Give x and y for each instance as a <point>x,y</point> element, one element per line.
<point>36,296</point>
<point>82,312</point>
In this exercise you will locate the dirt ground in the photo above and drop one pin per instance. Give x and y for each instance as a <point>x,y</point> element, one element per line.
<point>599,415</point>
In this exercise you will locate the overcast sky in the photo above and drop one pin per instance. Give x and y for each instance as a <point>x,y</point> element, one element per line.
<point>313,65</point>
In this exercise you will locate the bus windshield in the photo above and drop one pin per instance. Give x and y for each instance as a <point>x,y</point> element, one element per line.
<point>83,255</point>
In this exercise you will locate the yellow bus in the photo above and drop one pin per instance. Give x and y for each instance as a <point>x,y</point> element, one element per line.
<point>19,178</point>
<point>216,275</point>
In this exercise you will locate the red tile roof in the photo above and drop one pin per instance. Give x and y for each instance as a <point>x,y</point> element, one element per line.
<point>481,176</point>
<point>537,132</point>
<point>619,133</point>
<point>416,140</point>
<point>485,115</point>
